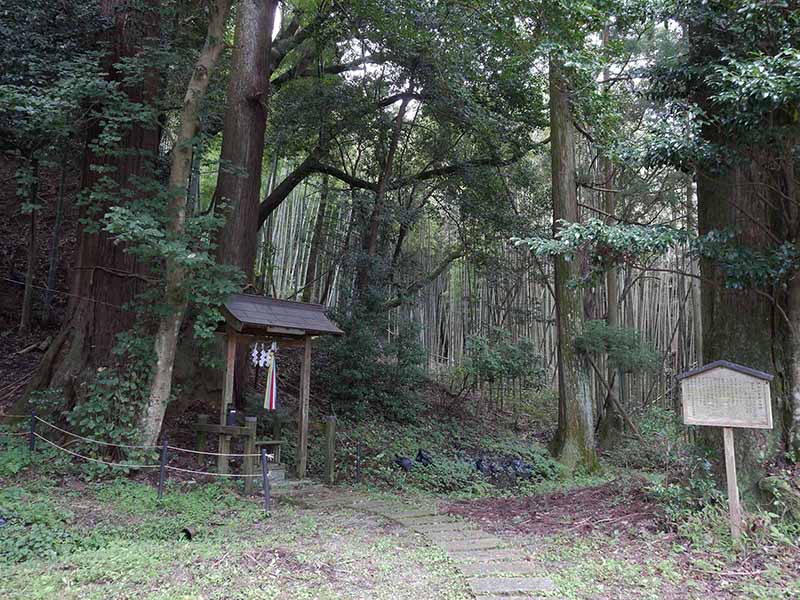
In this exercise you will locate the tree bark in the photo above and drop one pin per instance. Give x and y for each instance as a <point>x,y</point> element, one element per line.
<point>726,335</point>
<point>573,444</point>
<point>105,277</point>
<point>239,181</point>
<point>166,341</point>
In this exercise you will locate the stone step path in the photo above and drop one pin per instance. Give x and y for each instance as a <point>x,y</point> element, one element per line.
<point>494,569</point>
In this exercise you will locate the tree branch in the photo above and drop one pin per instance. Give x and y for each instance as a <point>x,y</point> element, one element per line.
<point>308,167</point>
<point>420,283</point>
<point>302,69</point>
<point>389,100</point>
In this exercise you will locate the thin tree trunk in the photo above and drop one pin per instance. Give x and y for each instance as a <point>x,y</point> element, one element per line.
<point>169,325</point>
<point>27,298</point>
<point>370,241</point>
<point>611,422</point>
<point>52,269</point>
<point>317,241</point>
<point>574,440</point>
<point>793,305</point>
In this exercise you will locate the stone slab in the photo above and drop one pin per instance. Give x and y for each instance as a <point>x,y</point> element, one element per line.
<point>335,501</point>
<point>427,520</point>
<point>511,597</point>
<point>467,545</point>
<point>412,514</point>
<point>511,585</point>
<point>489,555</point>
<point>442,527</point>
<point>457,534</point>
<point>378,506</point>
<point>514,567</point>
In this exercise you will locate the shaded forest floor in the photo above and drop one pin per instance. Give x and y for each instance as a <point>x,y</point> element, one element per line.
<point>66,535</point>
<point>610,541</point>
<point>66,538</point>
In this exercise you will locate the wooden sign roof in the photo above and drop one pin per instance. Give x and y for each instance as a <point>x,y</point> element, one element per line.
<point>726,365</point>
<point>249,313</point>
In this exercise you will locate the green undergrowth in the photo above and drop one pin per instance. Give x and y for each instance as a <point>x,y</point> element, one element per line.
<point>691,504</point>
<point>66,538</point>
<point>454,445</point>
<point>656,566</point>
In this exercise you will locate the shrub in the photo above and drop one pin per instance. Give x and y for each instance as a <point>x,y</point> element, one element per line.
<point>365,370</point>
<point>497,357</point>
<point>448,476</point>
<point>623,347</point>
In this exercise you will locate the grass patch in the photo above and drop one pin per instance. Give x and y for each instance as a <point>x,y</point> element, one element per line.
<point>115,539</point>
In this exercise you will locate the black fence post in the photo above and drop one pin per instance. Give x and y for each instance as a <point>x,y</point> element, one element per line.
<point>358,461</point>
<point>162,469</point>
<point>32,434</point>
<point>265,476</point>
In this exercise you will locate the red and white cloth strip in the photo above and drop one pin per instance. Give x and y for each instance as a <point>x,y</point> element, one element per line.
<point>271,394</point>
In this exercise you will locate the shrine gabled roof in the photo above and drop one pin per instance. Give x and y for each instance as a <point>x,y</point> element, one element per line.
<point>726,365</point>
<point>250,313</point>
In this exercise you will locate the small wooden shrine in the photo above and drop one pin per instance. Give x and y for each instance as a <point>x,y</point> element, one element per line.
<point>249,319</point>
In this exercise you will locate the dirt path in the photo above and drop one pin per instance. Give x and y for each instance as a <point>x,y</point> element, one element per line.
<point>493,568</point>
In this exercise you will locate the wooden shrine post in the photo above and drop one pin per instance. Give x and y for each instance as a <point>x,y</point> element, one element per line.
<point>227,399</point>
<point>249,450</point>
<point>330,450</point>
<point>727,395</point>
<point>305,390</point>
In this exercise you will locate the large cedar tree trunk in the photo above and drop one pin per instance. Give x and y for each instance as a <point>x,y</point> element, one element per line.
<point>105,276</point>
<point>741,326</point>
<point>573,444</point>
<point>239,181</point>
<point>751,341</point>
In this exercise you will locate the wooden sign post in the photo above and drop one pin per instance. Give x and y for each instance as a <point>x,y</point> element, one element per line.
<point>727,395</point>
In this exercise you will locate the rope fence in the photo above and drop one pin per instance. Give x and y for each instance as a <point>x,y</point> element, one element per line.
<point>143,446</point>
<point>97,460</point>
<point>215,453</point>
<point>163,466</point>
<point>192,471</point>
<point>97,442</point>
